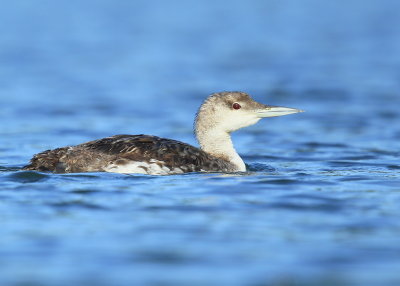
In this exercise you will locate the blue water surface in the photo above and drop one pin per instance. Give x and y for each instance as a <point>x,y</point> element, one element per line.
<point>320,202</point>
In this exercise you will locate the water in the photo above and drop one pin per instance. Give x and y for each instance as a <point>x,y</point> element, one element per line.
<point>319,205</point>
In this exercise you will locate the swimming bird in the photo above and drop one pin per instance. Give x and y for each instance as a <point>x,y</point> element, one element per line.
<point>219,115</point>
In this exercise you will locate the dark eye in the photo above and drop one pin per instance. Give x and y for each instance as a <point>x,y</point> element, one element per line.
<point>236,105</point>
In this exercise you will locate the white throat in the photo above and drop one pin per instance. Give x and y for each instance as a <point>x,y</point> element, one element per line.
<point>219,144</point>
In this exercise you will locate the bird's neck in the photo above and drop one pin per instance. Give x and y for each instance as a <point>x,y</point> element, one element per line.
<point>219,144</point>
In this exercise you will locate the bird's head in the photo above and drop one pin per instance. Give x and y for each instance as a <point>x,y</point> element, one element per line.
<point>230,111</point>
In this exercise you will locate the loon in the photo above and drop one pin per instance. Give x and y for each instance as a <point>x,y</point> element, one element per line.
<point>219,115</point>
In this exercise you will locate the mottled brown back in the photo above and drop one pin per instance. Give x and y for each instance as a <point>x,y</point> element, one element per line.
<point>96,156</point>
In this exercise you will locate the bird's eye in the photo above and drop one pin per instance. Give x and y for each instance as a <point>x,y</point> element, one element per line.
<point>236,105</point>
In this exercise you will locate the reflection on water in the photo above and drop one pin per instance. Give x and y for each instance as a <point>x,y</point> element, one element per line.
<point>319,204</point>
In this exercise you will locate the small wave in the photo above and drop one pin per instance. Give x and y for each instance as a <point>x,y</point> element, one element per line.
<point>27,177</point>
<point>77,204</point>
<point>354,163</point>
<point>325,145</point>
<point>357,157</point>
<point>393,167</point>
<point>84,191</point>
<point>259,167</point>
<point>9,168</point>
<point>329,207</point>
<point>81,175</point>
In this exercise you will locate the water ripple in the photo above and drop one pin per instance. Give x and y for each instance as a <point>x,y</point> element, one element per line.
<point>28,177</point>
<point>72,204</point>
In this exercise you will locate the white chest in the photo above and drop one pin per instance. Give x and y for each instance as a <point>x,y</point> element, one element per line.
<point>153,167</point>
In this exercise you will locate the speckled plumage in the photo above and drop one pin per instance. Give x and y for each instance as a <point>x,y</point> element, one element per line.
<point>119,150</point>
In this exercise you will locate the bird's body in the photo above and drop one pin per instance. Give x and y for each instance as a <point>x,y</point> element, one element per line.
<point>218,116</point>
<point>142,154</point>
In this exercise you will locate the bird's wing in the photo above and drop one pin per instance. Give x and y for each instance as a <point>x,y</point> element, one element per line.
<point>146,148</point>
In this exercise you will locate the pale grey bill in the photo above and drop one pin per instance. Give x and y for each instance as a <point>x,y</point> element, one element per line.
<point>272,111</point>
